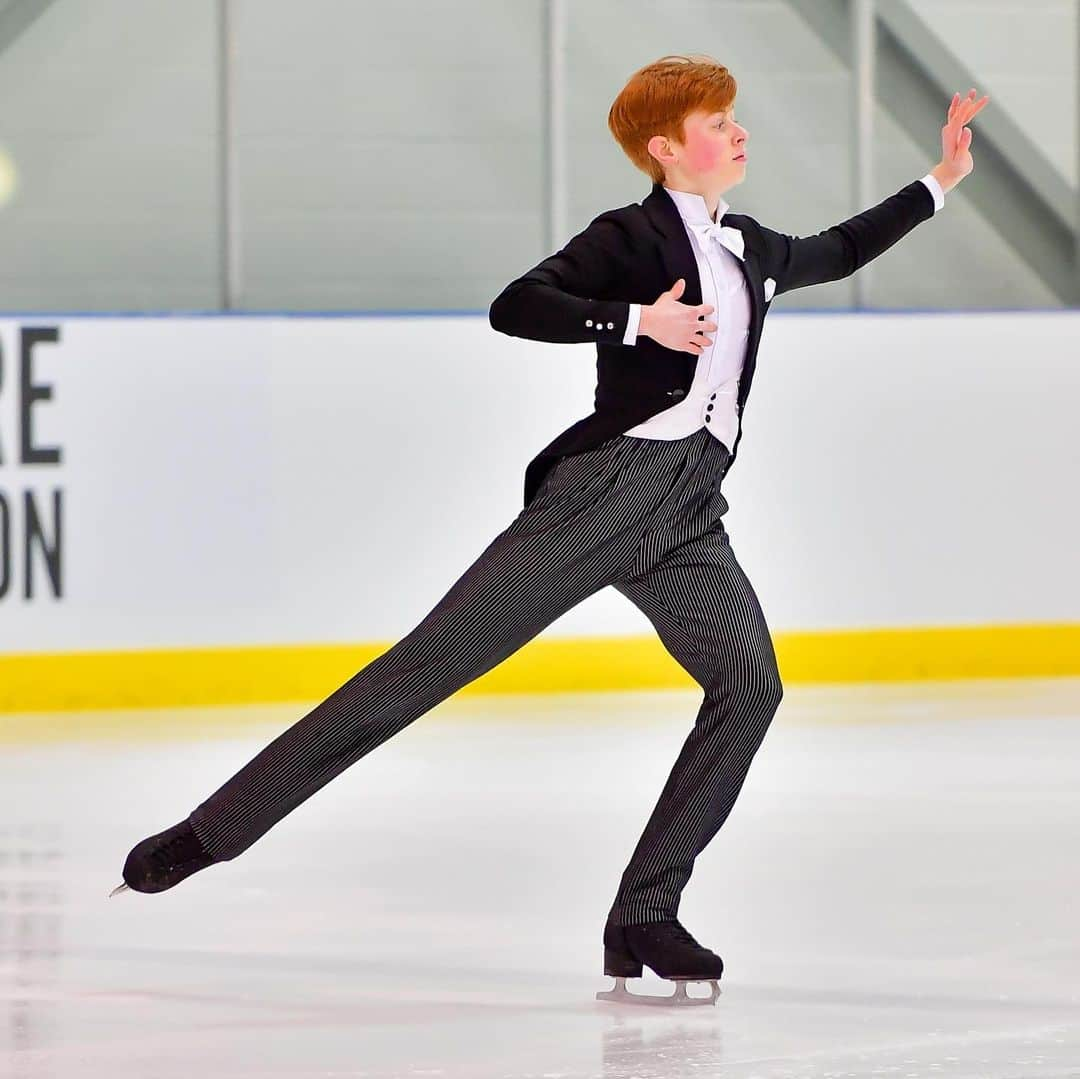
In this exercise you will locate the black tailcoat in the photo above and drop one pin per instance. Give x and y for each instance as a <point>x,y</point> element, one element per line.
<point>634,253</point>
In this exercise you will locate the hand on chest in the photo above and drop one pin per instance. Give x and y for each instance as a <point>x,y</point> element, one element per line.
<point>713,272</point>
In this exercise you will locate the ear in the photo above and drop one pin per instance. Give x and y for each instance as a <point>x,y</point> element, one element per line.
<point>659,149</point>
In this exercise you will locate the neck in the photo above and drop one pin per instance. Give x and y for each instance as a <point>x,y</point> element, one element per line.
<point>711,197</point>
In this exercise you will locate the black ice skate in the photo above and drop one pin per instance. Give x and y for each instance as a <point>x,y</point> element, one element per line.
<point>162,860</point>
<point>669,951</point>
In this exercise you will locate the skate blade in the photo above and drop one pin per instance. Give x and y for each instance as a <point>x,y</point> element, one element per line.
<point>621,995</point>
<point>118,889</point>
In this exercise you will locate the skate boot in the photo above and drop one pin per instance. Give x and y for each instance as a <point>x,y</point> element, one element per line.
<point>669,951</point>
<point>162,860</point>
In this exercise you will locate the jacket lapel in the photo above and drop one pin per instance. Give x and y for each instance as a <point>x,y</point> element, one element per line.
<point>678,256</point>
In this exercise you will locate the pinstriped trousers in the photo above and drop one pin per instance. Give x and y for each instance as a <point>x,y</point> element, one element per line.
<point>642,515</point>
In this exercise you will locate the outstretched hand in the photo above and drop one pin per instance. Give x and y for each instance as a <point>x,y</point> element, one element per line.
<point>956,160</point>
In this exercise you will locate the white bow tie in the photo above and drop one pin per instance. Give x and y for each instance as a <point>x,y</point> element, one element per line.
<point>726,235</point>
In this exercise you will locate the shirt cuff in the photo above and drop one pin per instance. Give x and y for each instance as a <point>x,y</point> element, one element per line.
<point>632,323</point>
<point>936,190</point>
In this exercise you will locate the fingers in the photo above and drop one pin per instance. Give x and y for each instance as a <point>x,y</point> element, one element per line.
<point>971,108</point>
<point>962,110</point>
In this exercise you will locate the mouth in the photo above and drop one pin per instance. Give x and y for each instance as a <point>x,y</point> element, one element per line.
<point>741,157</point>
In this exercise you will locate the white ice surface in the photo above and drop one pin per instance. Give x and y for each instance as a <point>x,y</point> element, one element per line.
<point>894,894</point>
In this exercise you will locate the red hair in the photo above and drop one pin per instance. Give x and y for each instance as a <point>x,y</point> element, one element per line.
<point>657,98</point>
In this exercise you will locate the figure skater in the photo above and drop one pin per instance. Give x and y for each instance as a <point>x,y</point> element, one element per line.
<point>673,291</point>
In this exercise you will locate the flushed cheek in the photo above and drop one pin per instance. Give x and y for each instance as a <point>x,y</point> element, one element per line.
<point>705,156</point>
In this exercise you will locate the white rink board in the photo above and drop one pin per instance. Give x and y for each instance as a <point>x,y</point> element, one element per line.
<point>261,480</point>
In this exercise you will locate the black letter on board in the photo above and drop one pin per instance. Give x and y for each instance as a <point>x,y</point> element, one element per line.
<point>33,531</point>
<point>1,395</point>
<point>31,392</point>
<point>5,546</point>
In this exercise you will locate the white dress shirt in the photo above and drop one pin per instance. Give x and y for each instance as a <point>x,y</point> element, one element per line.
<point>711,401</point>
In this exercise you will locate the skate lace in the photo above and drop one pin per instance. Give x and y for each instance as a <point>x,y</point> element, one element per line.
<point>681,934</point>
<point>170,853</point>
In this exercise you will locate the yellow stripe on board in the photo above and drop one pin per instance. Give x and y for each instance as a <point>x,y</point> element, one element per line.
<point>251,675</point>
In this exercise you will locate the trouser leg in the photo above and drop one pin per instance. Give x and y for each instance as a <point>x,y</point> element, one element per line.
<point>708,617</point>
<point>552,557</point>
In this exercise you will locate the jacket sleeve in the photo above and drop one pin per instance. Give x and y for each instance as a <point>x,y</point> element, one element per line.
<point>554,301</point>
<point>795,261</point>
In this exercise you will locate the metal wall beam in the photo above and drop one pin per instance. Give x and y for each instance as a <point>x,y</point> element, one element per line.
<point>229,265</point>
<point>16,16</point>
<point>917,76</point>
<point>863,50</point>
<point>555,187</point>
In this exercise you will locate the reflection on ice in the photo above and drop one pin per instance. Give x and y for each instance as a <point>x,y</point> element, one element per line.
<point>892,896</point>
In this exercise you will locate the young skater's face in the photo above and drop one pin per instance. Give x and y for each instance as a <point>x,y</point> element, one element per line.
<point>712,156</point>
